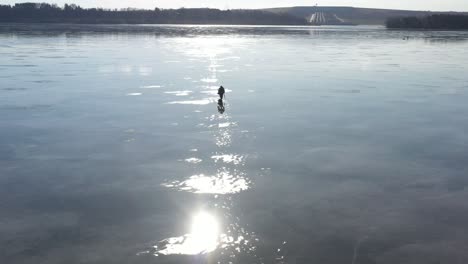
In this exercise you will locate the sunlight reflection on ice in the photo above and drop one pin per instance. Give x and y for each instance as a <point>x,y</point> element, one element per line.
<point>193,160</point>
<point>217,117</point>
<point>203,47</point>
<point>215,66</point>
<point>229,158</point>
<point>209,80</point>
<point>205,236</point>
<point>230,58</point>
<point>134,94</point>
<point>151,87</point>
<point>224,138</point>
<point>224,125</point>
<point>194,102</point>
<point>222,183</point>
<point>214,92</point>
<point>179,93</point>
<point>190,245</point>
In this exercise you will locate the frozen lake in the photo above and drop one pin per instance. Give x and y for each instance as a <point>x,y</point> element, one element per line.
<point>336,145</point>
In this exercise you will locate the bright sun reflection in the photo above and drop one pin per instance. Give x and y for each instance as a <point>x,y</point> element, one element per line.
<point>223,182</point>
<point>208,46</point>
<point>205,230</point>
<point>204,237</point>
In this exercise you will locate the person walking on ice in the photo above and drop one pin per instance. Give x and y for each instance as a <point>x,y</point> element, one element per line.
<point>221,92</point>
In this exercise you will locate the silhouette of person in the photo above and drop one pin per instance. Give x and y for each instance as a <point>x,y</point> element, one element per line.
<point>221,108</point>
<point>221,92</point>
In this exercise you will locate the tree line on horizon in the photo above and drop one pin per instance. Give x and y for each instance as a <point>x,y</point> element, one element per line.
<point>71,13</point>
<point>437,21</point>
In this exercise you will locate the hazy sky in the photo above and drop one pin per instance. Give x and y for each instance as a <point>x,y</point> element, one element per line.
<point>439,5</point>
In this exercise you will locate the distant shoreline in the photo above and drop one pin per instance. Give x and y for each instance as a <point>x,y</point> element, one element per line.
<point>431,22</point>
<point>73,14</point>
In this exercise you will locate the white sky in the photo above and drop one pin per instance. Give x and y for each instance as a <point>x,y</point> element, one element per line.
<point>434,5</point>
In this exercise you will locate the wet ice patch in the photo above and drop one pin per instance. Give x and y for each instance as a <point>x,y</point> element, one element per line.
<point>127,69</point>
<point>145,71</point>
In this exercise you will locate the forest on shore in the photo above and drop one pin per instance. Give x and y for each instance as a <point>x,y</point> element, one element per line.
<point>71,13</point>
<point>438,21</point>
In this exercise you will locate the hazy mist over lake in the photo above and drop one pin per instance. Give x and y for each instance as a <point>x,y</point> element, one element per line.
<point>336,145</point>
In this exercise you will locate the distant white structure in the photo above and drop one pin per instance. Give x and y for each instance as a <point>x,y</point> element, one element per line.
<point>318,18</point>
<point>325,18</point>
